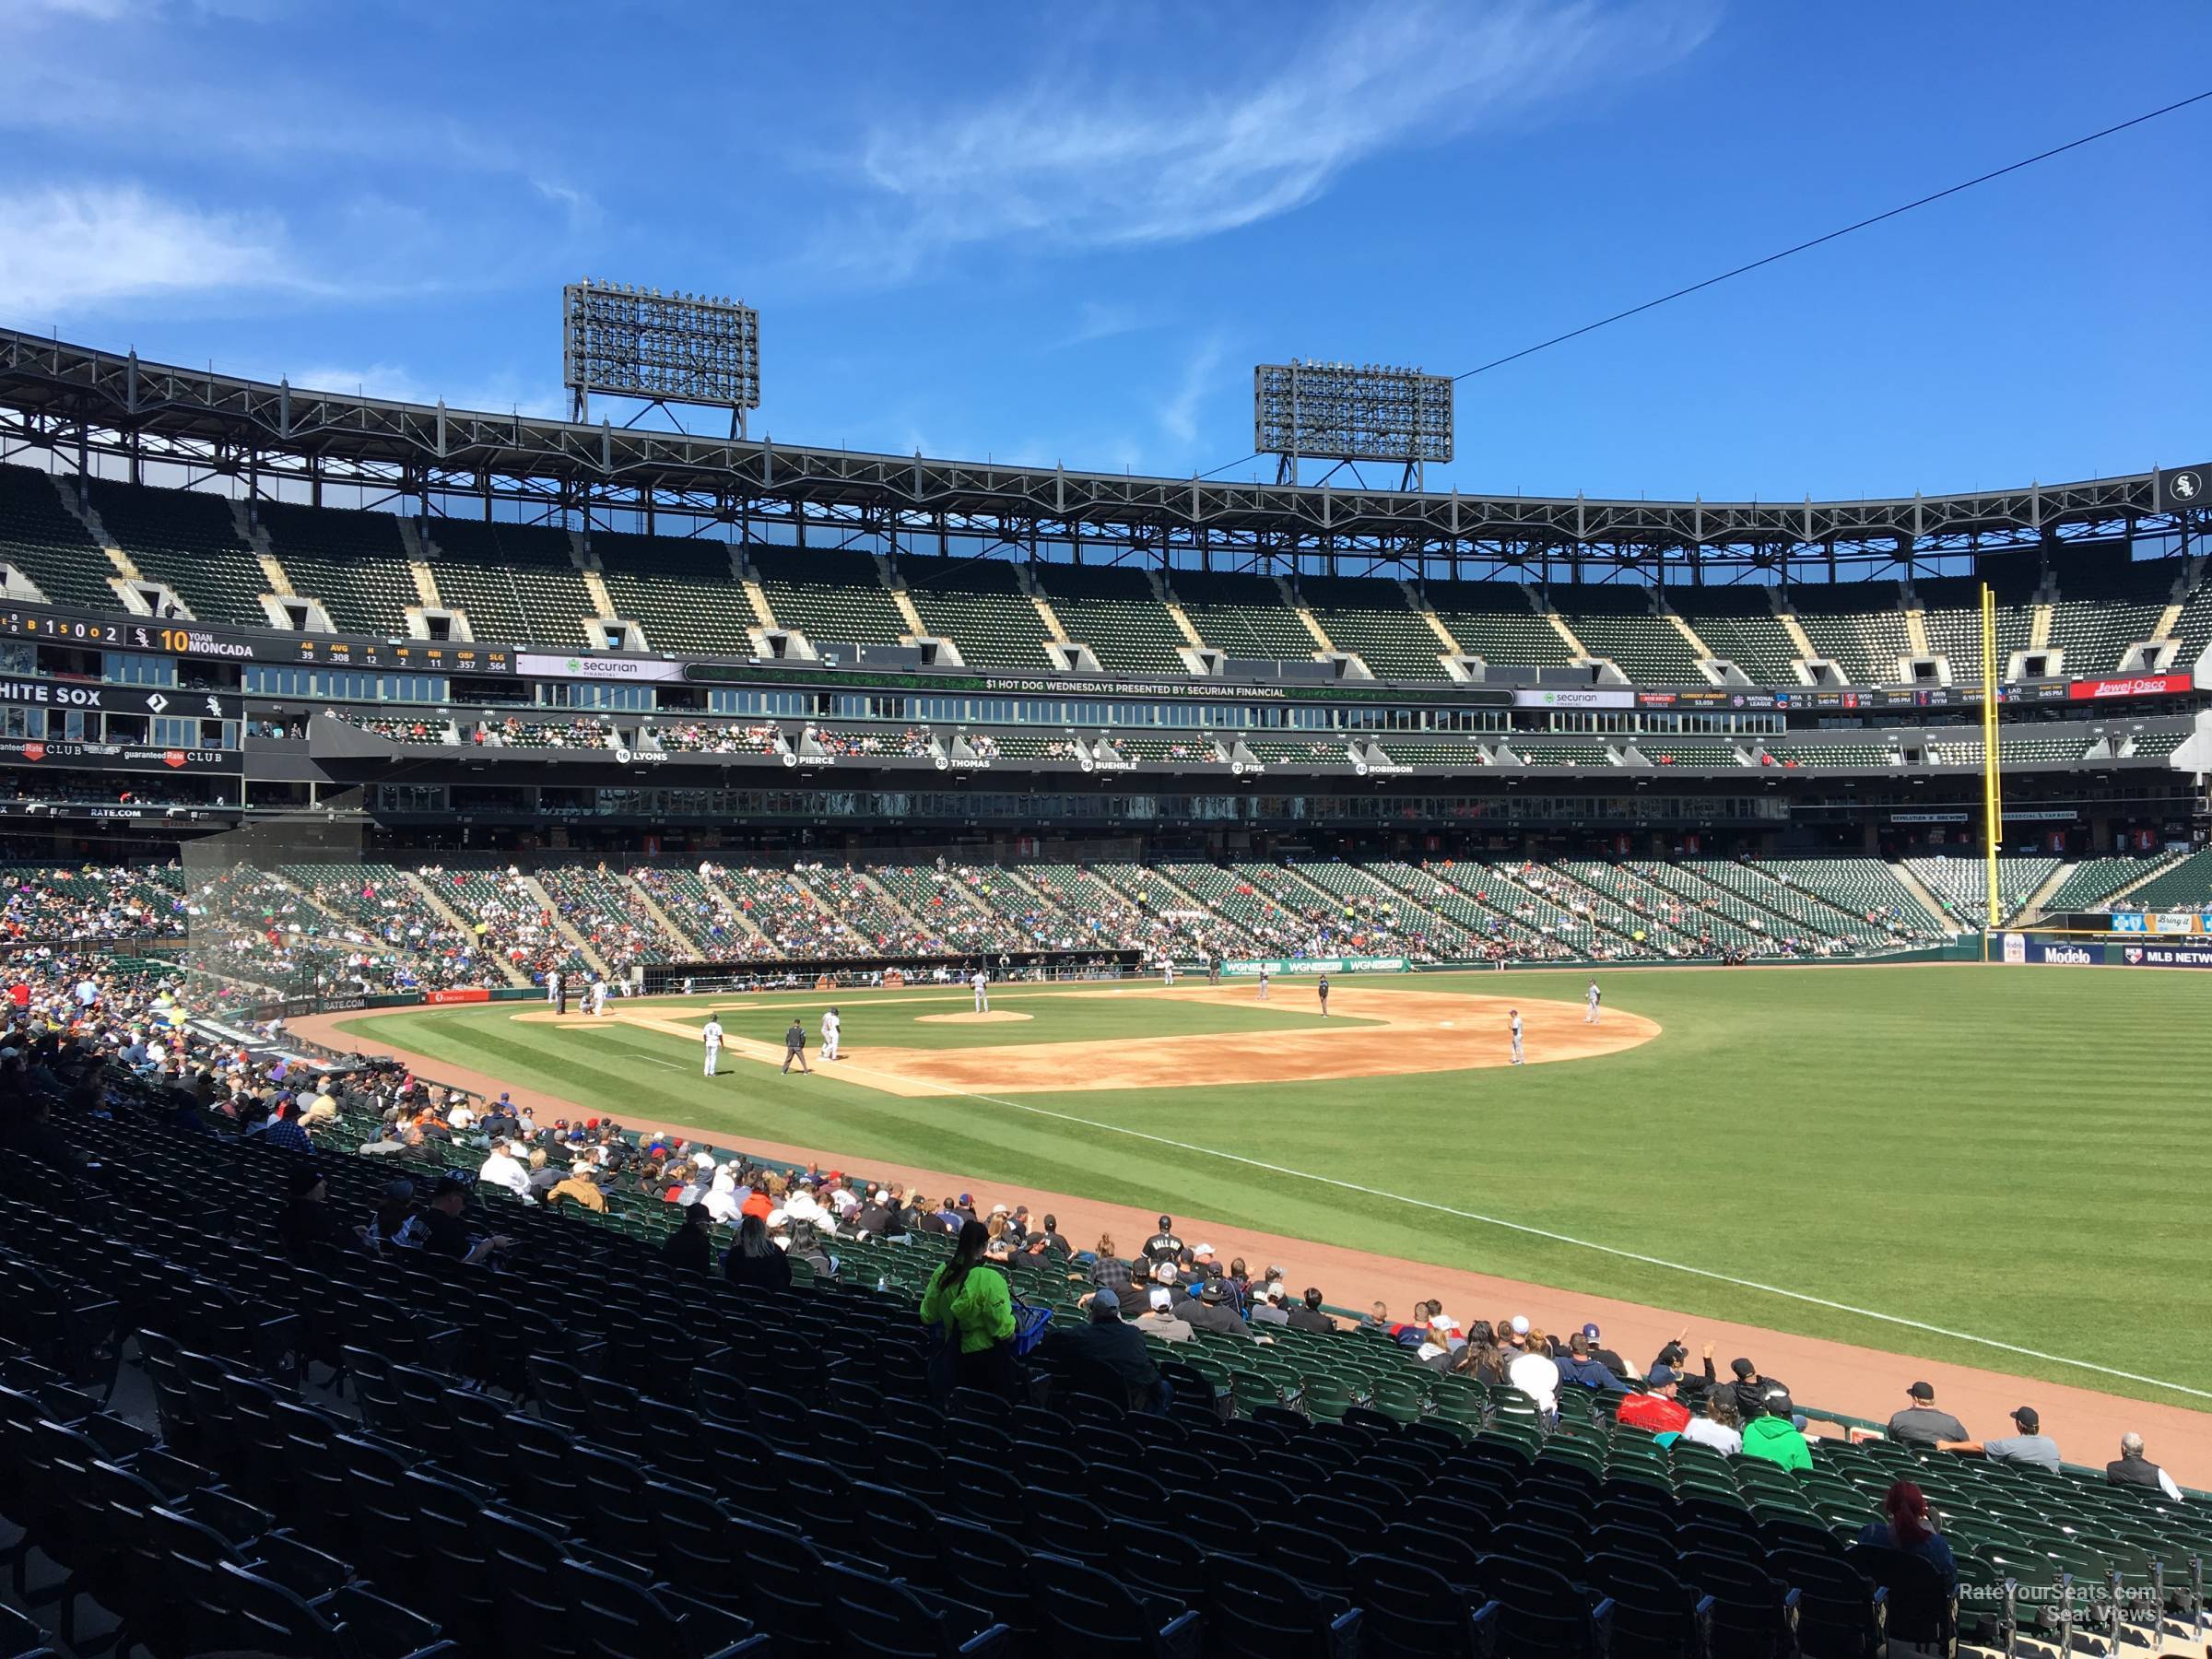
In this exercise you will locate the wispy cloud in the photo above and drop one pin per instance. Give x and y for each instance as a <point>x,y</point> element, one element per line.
<point>67,250</point>
<point>1103,165</point>
<point>1103,320</point>
<point>498,394</point>
<point>1178,414</point>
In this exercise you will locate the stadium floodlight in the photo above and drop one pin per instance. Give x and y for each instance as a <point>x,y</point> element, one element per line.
<point>1347,412</point>
<point>629,342</point>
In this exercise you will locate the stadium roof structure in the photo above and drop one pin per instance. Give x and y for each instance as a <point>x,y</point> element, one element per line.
<point>72,399</point>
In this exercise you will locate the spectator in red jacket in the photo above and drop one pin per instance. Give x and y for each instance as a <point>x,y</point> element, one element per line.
<point>1657,1411</point>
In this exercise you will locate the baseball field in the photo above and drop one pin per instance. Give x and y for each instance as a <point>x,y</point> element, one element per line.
<point>1995,1167</point>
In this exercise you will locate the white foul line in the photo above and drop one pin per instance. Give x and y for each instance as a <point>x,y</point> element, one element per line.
<point>1560,1238</point>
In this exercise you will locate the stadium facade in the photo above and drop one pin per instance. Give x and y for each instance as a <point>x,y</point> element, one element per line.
<point>227,599</point>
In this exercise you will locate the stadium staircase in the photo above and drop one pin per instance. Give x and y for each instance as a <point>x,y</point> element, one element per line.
<point>1927,900</point>
<point>1797,905</point>
<point>418,568</point>
<point>1796,629</point>
<point>870,880</point>
<point>661,918</point>
<point>1176,614</point>
<point>256,537</point>
<point>1581,654</point>
<point>464,926</point>
<point>715,889</point>
<point>2031,907</point>
<point>567,929</point>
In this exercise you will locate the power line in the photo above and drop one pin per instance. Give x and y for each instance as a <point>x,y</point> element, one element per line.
<point>1680,293</point>
<point>1575,334</point>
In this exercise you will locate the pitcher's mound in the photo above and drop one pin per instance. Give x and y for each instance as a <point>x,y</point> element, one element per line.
<point>996,1015</point>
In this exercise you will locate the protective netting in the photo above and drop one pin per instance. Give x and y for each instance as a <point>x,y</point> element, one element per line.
<point>253,929</point>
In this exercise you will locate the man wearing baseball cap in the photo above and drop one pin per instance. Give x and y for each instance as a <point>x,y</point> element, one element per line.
<point>1604,1355</point>
<point>1919,1424</point>
<point>2031,1445</point>
<point>1106,1345</point>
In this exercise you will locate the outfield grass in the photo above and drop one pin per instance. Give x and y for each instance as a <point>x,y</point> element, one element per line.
<point>2014,1153</point>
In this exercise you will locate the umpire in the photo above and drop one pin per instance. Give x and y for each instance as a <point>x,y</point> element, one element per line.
<point>795,1046</point>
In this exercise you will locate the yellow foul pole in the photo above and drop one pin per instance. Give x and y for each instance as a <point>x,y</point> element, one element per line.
<point>1993,793</point>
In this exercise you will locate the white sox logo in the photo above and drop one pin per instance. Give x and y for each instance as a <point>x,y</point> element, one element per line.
<point>2184,486</point>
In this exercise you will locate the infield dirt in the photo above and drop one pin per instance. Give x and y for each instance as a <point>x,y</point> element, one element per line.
<point>1387,1033</point>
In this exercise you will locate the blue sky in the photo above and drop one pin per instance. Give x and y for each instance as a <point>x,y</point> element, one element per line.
<point>1060,233</point>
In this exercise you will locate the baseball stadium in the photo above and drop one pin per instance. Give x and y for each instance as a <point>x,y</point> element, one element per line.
<point>632,1040</point>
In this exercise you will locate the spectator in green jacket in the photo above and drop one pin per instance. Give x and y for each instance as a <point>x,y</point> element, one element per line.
<point>1775,1436</point>
<point>971,1300</point>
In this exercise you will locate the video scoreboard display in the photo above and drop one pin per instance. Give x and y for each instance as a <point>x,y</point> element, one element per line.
<point>216,644</point>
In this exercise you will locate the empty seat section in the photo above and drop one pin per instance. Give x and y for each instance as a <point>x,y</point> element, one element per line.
<point>1784,753</point>
<point>2187,886</point>
<point>2107,603</point>
<point>679,591</point>
<point>45,541</point>
<point>979,607</point>
<point>353,561</point>
<point>1739,626</point>
<point>1866,888</point>
<point>1243,615</point>
<point>2094,880</point>
<point>1374,619</point>
<point>1858,627</point>
<point>1962,884</point>
<point>516,583</point>
<point>1618,624</point>
<point>2193,628</point>
<point>1952,612</point>
<point>190,541</point>
<point>829,595</point>
<point>1495,621</point>
<point>1116,613</point>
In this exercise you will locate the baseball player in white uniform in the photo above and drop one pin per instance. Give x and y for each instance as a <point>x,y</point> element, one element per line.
<point>1590,1005</point>
<point>1513,1018</point>
<point>981,981</point>
<point>829,1029</point>
<point>598,997</point>
<point>1167,969</point>
<point>1263,984</point>
<point>553,988</point>
<point>711,1036</point>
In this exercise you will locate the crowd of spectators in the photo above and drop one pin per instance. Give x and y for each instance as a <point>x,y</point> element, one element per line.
<point>513,731</point>
<point>404,728</point>
<point>702,737</point>
<point>914,743</point>
<point>92,902</point>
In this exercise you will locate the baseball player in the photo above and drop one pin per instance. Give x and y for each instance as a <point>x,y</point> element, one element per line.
<point>1513,1018</point>
<point>711,1036</point>
<point>598,998</point>
<point>829,1028</point>
<point>553,991</point>
<point>981,981</point>
<point>1167,969</point>
<point>1263,984</point>
<point>795,1047</point>
<point>1590,1005</point>
<point>1324,989</point>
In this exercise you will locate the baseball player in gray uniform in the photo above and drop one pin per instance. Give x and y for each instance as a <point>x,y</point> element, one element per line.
<point>1512,1018</point>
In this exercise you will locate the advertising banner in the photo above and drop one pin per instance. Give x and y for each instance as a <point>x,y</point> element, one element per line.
<point>465,993</point>
<point>1572,697</point>
<point>2159,956</point>
<point>2128,685</point>
<point>1317,966</point>
<point>626,668</point>
<point>2063,953</point>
